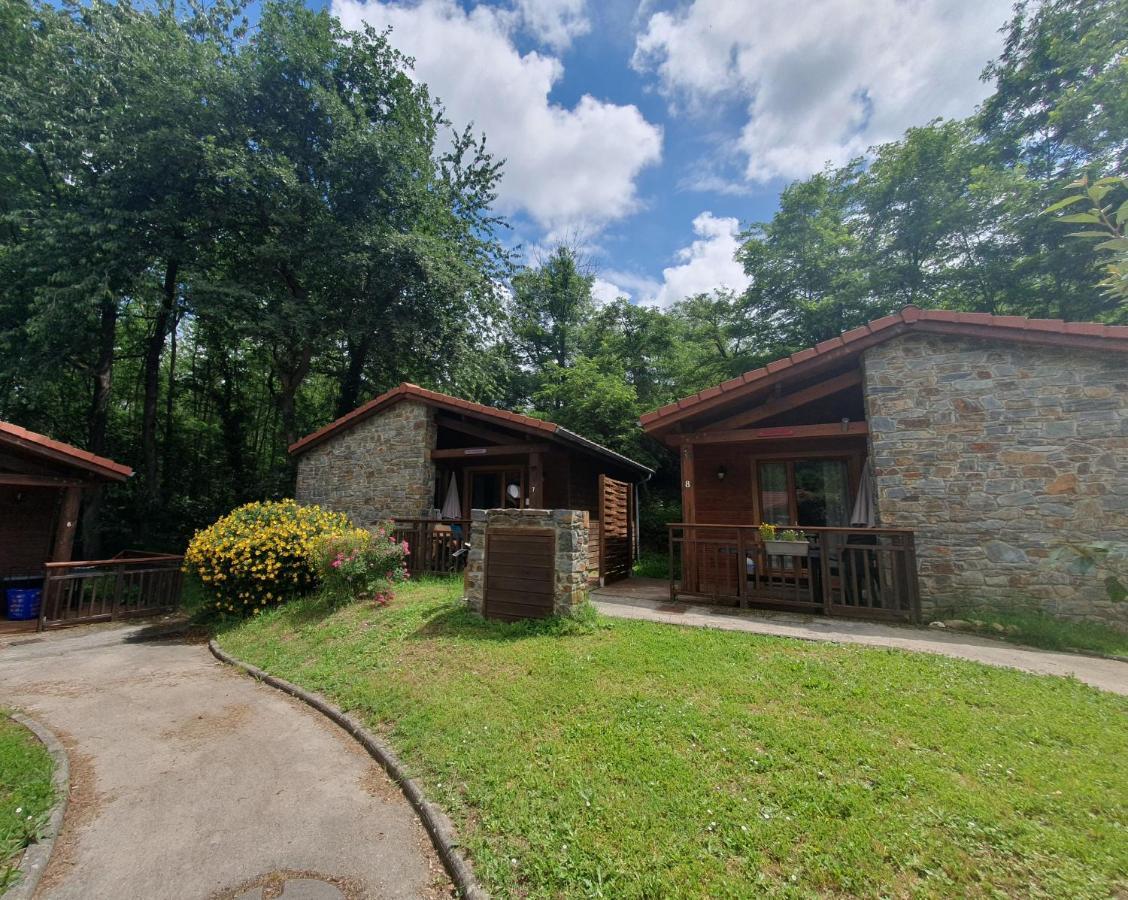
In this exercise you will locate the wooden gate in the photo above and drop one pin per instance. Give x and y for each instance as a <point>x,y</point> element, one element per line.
<point>616,535</point>
<point>520,573</point>
<point>101,590</point>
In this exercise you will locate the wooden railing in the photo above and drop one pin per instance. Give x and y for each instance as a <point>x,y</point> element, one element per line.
<point>105,589</point>
<point>861,572</point>
<point>434,545</point>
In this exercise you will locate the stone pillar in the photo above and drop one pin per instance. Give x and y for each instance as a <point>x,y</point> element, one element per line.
<point>570,578</point>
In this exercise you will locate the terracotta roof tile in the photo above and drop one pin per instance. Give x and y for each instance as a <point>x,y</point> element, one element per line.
<point>1114,337</point>
<point>33,441</point>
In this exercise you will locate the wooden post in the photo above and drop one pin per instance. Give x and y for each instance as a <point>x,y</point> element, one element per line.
<point>602,482</point>
<point>68,522</point>
<point>536,481</point>
<point>689,516</point>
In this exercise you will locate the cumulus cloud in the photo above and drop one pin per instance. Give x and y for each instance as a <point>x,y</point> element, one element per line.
<point>567,168</point>
<point>555,23</point>
<point>603,291</point>
<point>706,264</point>
<point>824,83</point>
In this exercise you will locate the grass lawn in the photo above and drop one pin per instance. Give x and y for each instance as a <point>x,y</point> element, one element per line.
<point>1035,629</point>
<point>632,759</point>
<point>26,794</point>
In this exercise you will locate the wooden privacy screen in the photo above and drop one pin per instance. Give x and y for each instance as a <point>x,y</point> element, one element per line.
<point>520,573</point>
<point>616,527</point>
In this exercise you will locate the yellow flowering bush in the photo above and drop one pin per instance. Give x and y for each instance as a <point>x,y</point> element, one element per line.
<point>260,554</point>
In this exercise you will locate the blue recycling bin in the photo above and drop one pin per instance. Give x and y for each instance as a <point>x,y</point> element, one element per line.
<point>23,603</point>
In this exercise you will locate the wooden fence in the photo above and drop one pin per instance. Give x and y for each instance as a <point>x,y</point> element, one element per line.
<point>101,590</point>
<point>434,545</point>
<point>858,572</point>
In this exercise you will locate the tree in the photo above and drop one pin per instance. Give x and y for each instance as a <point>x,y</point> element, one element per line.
<point>1060,103</point>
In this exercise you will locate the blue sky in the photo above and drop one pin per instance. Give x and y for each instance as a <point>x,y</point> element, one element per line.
<point>653,131</point>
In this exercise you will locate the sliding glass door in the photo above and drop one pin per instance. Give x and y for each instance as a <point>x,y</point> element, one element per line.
<point>813,492</point>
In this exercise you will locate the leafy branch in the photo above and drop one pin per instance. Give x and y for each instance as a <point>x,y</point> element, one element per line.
<point>1106,221</point>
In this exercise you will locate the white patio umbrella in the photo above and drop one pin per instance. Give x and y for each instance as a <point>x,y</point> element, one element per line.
<point>452,505</point>
<point>865,511</point>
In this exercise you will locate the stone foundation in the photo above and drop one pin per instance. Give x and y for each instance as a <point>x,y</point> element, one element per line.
<point>571,531</point>
<point>995,454</point>
<point>375,470</point>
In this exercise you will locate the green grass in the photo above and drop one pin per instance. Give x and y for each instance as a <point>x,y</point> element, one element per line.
<point>1035,629</point>
<point>26,794</point>
<point>652,564</point>
<point>633,759</point>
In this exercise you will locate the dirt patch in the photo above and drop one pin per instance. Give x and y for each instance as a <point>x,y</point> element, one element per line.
<point>84,803</point>
<point>273,882</point>
<point>204,726</point>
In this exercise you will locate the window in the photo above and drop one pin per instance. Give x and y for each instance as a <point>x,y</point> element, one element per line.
<point>813,492</point>
<point>496,488</point>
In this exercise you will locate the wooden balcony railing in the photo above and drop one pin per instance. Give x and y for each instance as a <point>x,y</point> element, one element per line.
<point>435,545</point>
<point>860,572</point>
<point>100,590</point>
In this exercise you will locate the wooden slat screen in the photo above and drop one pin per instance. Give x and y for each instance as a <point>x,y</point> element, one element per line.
<point>520,573</point>
<point>616,525</point>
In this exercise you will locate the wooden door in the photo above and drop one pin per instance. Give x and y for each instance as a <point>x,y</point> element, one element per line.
<point>616,524</point>
<point>520,568</point>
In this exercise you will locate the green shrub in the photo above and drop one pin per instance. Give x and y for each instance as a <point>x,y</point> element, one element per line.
<point>260,554</point>
<point>360,565</point>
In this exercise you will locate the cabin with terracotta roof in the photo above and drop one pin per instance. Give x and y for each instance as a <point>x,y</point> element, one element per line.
<point>426,459</point>
<point>931,460</point>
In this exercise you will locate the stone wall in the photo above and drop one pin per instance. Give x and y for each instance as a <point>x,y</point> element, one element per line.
<point>995,453</point>
<point>571,527</point>
<point>375,470</point>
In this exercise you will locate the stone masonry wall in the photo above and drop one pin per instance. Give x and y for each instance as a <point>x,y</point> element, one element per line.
<point>571,527</point>
<point>995,453</point>
<point>375,470</point>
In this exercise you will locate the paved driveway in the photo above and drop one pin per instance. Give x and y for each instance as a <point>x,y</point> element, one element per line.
<point>190,780</point>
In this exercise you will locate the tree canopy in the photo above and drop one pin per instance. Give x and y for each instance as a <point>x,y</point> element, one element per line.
<point>216,236</point>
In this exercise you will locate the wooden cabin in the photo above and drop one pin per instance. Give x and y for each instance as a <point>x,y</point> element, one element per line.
<point>953,450</point>
<point>426,459</point>
<point>42,482</point>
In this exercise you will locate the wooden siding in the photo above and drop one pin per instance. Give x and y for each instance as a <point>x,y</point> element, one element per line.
<point>27,522</point>
<point>520,573</point>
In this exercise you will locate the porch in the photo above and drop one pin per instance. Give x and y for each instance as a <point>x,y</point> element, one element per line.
<point>866,573</point>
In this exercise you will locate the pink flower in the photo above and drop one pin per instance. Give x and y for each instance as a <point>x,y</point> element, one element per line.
<point>406,549</point>
<point>336,564</point>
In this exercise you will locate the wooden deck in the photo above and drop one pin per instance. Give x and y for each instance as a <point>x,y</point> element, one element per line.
<point>852,572</point>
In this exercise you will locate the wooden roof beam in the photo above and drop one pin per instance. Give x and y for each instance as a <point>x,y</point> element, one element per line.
<point>783,432</point>
<point>493,450</point>
<point>787,402</point>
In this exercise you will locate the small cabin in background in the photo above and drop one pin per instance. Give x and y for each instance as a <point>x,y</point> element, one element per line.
<point>426,459</point>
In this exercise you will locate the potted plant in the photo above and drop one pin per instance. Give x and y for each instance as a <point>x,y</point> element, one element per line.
<point>788,542</point>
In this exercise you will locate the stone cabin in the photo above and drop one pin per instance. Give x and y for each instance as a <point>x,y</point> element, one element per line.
<point>967,444</point>
<point>422,457</point>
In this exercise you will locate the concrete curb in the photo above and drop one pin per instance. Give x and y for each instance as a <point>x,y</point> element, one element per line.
<point>438,825</point>
<point>34,861</point>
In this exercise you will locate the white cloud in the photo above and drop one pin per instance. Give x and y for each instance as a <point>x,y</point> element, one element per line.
<point>567,168</point>
<point>706,264</point>
<point>603,291</point>
<point>555,22</point>
<point>824,82</point>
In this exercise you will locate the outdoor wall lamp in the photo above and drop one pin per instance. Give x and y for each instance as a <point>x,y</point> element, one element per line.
<point>721,473</point>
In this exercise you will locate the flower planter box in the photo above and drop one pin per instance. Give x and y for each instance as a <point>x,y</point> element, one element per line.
<point>787,548</point>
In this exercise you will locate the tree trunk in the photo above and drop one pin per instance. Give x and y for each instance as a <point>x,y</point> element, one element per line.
<point>154,349</point>
<point>290,378</point>
<point>99,422</point>
<point>348,394</point>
